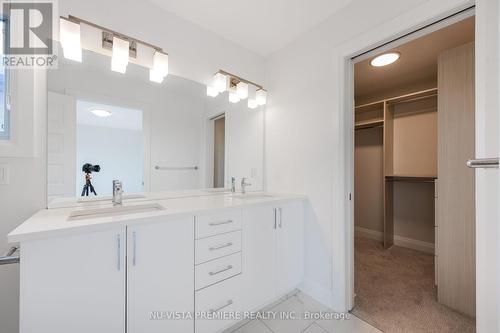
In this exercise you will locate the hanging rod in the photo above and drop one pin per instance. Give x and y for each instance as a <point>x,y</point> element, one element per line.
<point>78,20</point>
<point>176,168</point>
<point>9,257</point>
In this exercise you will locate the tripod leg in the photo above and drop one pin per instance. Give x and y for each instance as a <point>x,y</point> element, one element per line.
<point>83,191</point>
<point>92,190</point>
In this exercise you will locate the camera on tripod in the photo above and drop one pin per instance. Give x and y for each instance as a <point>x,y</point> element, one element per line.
<point>88,168</point>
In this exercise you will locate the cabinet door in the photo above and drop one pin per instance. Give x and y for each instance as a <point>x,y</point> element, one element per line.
<point>160,278</point>
<point>74,284</point>
<point>289,246</point>
<point>258,266</point>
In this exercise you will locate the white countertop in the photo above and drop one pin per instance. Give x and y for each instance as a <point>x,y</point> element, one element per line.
<point>54,222</point>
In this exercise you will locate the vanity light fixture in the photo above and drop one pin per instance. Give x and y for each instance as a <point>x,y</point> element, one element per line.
<point>242,90</point>
<point>212,92</point>
<point>234,97</point>
<point>101,113</point>
<point>252,103</point>
<point>160,67</point>
<point>385,59</point>
<point>70,38</point>
<point>238,88</point>
<point>220,82</point>
<point>261,97</point>
<point>119,60</point>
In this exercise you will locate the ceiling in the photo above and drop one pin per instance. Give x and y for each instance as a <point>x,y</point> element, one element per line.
<point>262,26</point>
<point>122,118</point>
<point>418,62</point>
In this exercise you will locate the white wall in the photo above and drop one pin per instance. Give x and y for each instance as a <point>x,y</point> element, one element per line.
<point>194,53</point>
<point>304,125</point>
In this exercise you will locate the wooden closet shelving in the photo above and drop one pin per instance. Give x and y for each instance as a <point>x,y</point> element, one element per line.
<point>409,125</point>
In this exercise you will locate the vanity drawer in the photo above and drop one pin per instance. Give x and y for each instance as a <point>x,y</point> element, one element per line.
<point>214,247</point>
<point>217,270</point>
<point>214,224</point>
<point>224,297</point>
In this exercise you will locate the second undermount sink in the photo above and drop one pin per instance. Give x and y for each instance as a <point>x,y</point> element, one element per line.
<point>113,211</point>
<point>254,196</point>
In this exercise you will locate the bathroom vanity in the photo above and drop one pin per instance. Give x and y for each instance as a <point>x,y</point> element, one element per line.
<point>163,265</point>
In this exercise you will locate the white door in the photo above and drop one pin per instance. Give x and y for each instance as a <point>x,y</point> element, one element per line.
<point>289,246</point>
<point>258,247</point>
<point>487,180</point>
<point>160,278</point>
<point>89,292</point>
<point>61,154</point>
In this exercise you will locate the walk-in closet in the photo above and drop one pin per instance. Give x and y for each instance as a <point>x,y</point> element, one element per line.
<point>413,194</point>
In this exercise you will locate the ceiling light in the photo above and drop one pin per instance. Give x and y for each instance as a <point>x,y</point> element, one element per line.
<point>385,59</point>
<point>233,97</point>
<point>252,103</point>
<point>119,60</point>
<point>261,97</point>
<point>69,36</point>
<point>160,67</point>
<point>220,82</point>
<point>212,92</point>
<point>101,113</point>
<point>242,90</point>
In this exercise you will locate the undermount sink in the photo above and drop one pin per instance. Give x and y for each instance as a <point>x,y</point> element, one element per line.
<point>253,196</point>
<point>113,211</point>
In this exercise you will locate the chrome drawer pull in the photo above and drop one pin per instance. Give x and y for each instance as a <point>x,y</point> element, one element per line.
<point>213,248</point>
<point>221,270</point>
<point>221,222</point>
<point>229,302</point>
<point>483,163</point>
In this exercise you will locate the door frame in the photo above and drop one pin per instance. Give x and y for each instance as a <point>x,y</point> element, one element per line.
<point>360,49</point>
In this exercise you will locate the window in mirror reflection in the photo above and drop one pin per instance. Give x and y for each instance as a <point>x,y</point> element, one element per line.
<point>111,137</point>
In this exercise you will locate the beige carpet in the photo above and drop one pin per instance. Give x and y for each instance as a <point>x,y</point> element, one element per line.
<point>395,291</point>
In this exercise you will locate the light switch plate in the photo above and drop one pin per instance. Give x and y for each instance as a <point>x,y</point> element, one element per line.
<point>4,174</point>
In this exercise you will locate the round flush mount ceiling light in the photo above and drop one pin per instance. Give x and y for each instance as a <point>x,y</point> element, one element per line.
<point>385,59</point>
<point>101,113</point>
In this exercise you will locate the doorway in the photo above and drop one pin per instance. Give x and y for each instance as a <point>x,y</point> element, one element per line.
<point>413,203</point>
<point>219,151</point>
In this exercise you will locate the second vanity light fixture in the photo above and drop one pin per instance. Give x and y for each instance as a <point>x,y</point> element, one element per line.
<point>122,48</point>
<point>238,89</point>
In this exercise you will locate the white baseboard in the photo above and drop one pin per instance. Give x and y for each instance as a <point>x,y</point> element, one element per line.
<point>398,240</point>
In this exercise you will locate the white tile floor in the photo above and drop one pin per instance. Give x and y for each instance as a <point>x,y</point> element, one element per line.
<point>299,303</point>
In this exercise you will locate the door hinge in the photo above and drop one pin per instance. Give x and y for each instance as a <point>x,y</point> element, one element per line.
<point>350,196</point>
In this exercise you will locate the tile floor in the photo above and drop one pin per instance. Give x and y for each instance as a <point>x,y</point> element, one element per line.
<point>299,303</point>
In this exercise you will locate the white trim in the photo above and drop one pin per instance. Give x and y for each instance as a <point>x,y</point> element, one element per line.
<point>408,243</point>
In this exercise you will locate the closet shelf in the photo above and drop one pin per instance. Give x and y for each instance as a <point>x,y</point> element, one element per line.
<point>369,123</point>
<point>413,96</point>
<point>412,178</point>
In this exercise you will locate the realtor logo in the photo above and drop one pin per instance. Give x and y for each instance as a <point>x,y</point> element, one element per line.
<point>29,34</point>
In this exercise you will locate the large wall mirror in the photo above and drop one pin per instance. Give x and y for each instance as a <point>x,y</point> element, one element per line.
<point>153,137</point>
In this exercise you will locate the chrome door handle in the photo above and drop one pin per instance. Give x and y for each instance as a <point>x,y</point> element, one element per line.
<point>281,218</point>
<point>228,303</point>
<point>220,270</point>
<point>213,248</point>
<point>118,251</point>
<point>134,248</point>
<point>487,163</point>
<point>213,224</point>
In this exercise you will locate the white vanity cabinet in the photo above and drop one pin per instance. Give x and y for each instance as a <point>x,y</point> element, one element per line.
<point>272,250</point>
<point>74,283</point>
<point>142,275</point>
<point>160,279</point>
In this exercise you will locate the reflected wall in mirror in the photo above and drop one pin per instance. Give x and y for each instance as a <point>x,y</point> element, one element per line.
<point>153,137</point>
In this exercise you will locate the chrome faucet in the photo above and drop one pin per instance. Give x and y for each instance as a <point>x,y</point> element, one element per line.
<point>244,184</point>
<point>117,192</point>
<point>233,184</point>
